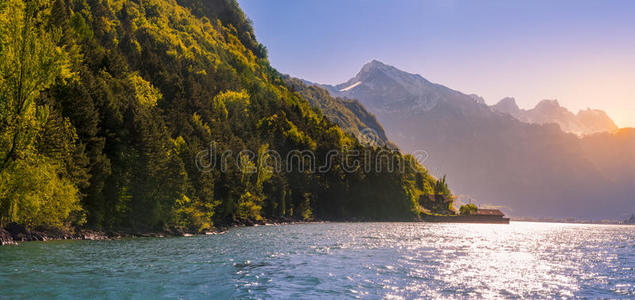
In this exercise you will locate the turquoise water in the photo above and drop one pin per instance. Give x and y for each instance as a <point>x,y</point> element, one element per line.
<point>334,260</point>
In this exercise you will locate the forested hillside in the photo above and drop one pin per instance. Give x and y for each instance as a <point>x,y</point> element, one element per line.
<point>105,104</point>
<point>349,114</point>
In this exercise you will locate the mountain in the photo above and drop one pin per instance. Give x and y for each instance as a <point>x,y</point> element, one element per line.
<point>595,120</point>
<point>549,111</point>
<point>527,169</point>
<point>349,114</point>
<point>385,89</point>
<point>164,115</point>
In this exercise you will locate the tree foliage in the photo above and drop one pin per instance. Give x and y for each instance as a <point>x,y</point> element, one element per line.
<point>103,119</point>
<point>468,209</point>
<point>36,145</point>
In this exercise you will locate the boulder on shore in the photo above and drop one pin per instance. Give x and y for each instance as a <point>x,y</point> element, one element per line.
<point>15,232</point>
<point>6,238</point>
<point>91,235</point>
<point>18,232</point>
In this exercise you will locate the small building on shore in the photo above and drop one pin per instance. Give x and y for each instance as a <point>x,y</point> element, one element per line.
<point>488,212</point>
<point>487,216</point>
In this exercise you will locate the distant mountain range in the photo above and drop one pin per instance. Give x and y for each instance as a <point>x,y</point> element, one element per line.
<point>525,161</point>
<point>549,111</point>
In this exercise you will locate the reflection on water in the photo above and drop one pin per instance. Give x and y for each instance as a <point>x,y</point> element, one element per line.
<point>356,260</point>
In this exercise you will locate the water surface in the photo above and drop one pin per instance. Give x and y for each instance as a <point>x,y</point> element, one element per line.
<point>335,260</point>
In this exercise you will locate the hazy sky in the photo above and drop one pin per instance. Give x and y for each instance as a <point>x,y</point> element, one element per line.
<point>579,52</point>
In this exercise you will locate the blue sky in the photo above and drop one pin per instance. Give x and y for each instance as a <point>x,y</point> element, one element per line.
<point>579,52</point>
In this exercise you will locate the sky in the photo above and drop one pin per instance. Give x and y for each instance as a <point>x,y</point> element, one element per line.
<point>580,52</point>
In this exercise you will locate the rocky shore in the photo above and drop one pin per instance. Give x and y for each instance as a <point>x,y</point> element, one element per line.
<point>13,233</point>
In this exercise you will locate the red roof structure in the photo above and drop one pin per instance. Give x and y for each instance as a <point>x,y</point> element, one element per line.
<point>488,212</point>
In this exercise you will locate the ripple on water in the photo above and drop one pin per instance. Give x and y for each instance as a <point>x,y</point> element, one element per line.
<point>350,260</point>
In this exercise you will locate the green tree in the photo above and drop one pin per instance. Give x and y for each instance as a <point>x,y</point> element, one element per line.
<point>35,145</point>
<point>30,61</point>
<point>33,193</point>
<point>441,187</point>
<point>468,209</point>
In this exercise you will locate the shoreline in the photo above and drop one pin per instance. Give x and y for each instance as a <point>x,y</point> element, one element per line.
<point>472,219</point>
<point>572,222</point>
<point>13,233</point>
<point>19,234</point>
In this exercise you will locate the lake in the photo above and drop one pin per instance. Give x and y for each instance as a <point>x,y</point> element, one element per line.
<point>334,260</point>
